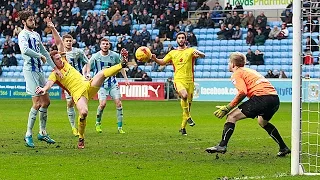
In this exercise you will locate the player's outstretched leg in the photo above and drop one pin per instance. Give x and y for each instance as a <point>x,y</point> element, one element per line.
<point>226,135</point>
<point>275,135</point>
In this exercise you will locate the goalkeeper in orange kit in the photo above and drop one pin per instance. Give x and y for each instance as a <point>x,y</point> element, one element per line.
<point>263,103</point>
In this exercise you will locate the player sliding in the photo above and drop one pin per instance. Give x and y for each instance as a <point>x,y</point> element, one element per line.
<point>183,59</point>
<point>100,60</point>
<point>263,103</point>
<point>78,87</point>
<point>34,55</point>
<point>77,59</point>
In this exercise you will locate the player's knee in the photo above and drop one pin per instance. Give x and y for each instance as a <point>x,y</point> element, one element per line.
<point>184,96</point>
<point>45,104</point>
<point>84,112</point>
<point>119,104</point>
<point>102,105</point>
<point>231,118</point>
<point>70,104</point>
<point>36,106</point>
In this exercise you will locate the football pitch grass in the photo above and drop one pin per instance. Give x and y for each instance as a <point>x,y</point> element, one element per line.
<point>152,147</point>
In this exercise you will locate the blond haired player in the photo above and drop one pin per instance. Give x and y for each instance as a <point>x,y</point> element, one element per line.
<point>78,87</point>
<point>77,59</point>
<point>263,103</point>
<point>183,60</point>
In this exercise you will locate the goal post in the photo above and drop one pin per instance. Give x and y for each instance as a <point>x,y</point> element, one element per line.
<point>296,88</point>
<point>305,134</point>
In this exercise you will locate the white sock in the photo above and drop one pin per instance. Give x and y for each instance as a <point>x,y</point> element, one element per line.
<point>31,120</point>
<point>43,120</point>
<point>71,115</point>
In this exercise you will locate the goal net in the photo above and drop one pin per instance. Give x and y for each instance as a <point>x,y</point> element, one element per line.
<point>306,87</point>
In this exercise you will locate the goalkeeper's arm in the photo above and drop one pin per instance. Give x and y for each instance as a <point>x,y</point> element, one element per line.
<point>224,110</point>
<point>236,100</point>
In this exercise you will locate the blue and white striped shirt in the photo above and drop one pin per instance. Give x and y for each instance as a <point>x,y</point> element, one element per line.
<point>99,62</point>
<point>31,49</point>
<point>77,58</point>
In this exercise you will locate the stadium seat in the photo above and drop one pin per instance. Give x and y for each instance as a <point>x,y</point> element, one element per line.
<point>196,31</point>
<point>4,74</point>
<point>207,61</point>
<point>276,48</point>
<point>213,74</point>
<point>198,74</point>
<point>198,68</point>
<point>261,68</point>
<point>238,43</point>
<point>168,74</point>
<point>223,42</point>
<point>255,67</point>
<point>216,43</point>
<point>209,43</point>
<point>285,68</point>
<point>208,49</point>
<point>214,68</point>
<point>223,61</point>
<point>268,61</point>
<point>153,74</point>
<point>231,42</point>
<point>202,37</point>
<point>215,55</point>
<point>206,67</point>
<point>268,54</point>
<point>238,48</point>
<point>221,74</point>
<point>19,68</point>
<point>276,54</point>
<point>169,68</point>
<point>230,48</point>
<point>276,61</point>
<point>222,68</point>
<point>268,42</point>
<point>200,61</point>
<point>206,74</point>
<point>147,68</point>
<point>285,54</point>
<point>161,75</point>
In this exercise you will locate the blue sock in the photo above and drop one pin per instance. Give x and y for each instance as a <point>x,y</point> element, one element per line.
<point>119,117</point>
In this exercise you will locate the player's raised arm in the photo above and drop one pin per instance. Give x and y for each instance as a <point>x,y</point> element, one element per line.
<point>56,36</point>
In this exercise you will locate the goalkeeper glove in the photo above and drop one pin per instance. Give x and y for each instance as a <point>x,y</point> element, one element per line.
<point>222,111</point>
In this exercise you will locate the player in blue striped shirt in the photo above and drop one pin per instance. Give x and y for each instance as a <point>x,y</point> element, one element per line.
<point>35,55</point>
<point>106,58</point>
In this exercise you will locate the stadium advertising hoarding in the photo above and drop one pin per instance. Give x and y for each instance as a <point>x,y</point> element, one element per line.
<point>223,90</point>
<point>260,4</point>
<point>139,91</point>
<point>18,90</point>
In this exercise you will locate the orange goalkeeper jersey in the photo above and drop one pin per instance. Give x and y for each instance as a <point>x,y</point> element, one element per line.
<point>252,83</point>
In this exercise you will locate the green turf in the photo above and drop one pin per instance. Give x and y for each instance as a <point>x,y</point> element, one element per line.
<point>152,148</point>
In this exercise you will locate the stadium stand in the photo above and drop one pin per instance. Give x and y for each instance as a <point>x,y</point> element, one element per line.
<point>277,55</point>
